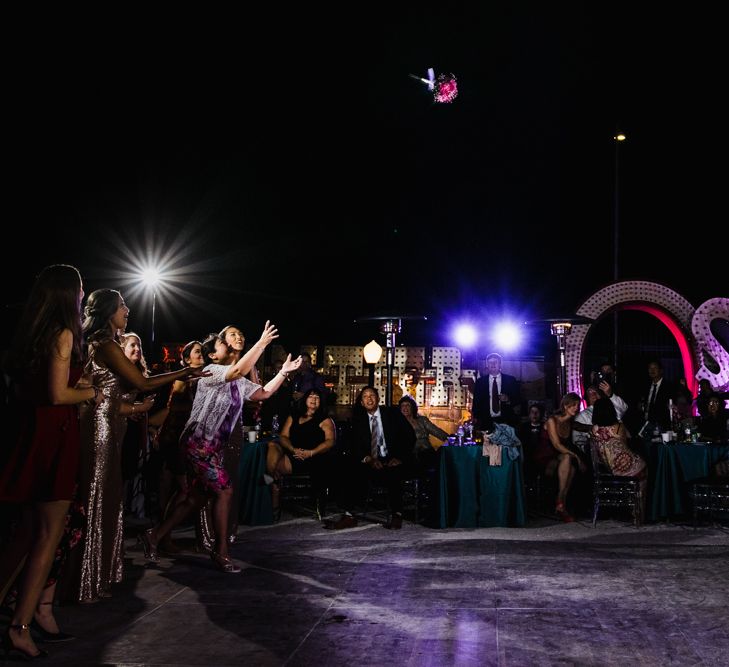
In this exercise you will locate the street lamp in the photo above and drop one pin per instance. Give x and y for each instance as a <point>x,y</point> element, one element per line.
<point>619,138</point>
<point>561,327</point>
<point>391,325</point>
<point>372,353</point>
<point>561,330</point>
<point>152,278</point>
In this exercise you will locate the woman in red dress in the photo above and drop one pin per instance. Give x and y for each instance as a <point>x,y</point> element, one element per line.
<point>40,462</point>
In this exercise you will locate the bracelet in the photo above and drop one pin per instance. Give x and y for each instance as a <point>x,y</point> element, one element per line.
<point>284,373</point>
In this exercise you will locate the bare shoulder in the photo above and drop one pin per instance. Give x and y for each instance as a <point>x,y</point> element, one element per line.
<point>109,349</point>
<point>64,338</point>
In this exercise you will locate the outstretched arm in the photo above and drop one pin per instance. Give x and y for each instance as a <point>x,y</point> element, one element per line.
<point>243,366</point>
<point>113,356</point>
<point>270,389</point>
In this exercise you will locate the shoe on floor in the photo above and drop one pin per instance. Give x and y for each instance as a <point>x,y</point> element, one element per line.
<point>395,522</point>
<point>37,630</point>
<point>345,521</point>
<point>563,514</point>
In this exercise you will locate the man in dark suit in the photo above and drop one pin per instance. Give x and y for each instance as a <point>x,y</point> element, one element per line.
<point>381,443</point>
<point>660,391</point>
<point>495,395</point>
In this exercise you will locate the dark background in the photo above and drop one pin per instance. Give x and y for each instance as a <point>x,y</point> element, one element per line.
<point>283,165</point>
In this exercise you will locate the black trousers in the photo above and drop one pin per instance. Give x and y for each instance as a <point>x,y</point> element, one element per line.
<point>355,477</point>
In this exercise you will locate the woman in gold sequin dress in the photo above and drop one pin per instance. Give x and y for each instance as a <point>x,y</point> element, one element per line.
<point>98,563</point>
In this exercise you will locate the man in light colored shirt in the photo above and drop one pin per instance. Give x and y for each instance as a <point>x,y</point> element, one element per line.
<point>580,438</point>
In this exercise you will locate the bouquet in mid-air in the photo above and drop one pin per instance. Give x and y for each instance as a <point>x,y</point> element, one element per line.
<point>444,86</point>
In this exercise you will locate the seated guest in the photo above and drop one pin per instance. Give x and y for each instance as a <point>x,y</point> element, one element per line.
<point>559,429</point>
<point>423,427</point>
<point>305,439</point>
<point>612,444</point>
<point>713,427</point>
<point>593,393</point>
<point>381,442</point>
<point>706,392</point>
<point>539,455</point>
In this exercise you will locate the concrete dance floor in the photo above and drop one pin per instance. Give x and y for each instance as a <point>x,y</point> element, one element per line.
<point>547,594</point>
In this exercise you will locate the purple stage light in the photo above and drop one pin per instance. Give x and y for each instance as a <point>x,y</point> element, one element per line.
<point>465,335</point>
<point>507,336</point>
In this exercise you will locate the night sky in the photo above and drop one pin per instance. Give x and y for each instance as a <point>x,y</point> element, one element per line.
<point>288,167</point>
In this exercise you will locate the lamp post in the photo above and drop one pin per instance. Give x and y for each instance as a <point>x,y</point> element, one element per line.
<point>561,330</point>
<point>619,138</point>
<point>372,354</point>
<point>390,328</point>
<point>151,278</point>
<point>391,325</point>
<point>561,327</point>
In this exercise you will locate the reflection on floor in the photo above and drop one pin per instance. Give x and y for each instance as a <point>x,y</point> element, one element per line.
<point>547,594</point>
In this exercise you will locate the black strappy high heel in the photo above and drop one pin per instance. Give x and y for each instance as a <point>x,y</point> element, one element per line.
<point>49,637</point>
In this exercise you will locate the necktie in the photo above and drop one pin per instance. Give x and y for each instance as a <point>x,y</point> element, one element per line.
<point>375,431</point>
<point>495,402</point>
<point>652,399</point>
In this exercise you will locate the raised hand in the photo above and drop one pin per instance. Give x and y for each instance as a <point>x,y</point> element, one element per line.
<point>290,365</point>
<point>270,333</point>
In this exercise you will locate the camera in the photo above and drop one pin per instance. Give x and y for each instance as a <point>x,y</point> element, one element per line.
<point>599,377</point>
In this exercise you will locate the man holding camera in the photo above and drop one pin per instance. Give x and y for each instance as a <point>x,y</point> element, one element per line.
<point>602,389</point>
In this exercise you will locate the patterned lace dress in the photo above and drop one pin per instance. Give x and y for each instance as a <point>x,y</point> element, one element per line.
<point>615,453</point>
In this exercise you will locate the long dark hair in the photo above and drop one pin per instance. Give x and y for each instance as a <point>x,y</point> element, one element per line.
<point>320,415</point>
<point>407,398</point>
<point>187,353</point>
<point>208,346</point>
<point>53,305</point>
<point>100,307</point>
<point>603,413</point>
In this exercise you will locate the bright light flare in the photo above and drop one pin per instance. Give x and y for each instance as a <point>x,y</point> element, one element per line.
<point>507,336</point>
<point>465,335</point>
<point>151,277</point>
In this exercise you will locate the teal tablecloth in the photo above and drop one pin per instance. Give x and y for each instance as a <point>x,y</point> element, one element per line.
<point>671,469</point>
<point>255,497</point>
<point>472,493</point>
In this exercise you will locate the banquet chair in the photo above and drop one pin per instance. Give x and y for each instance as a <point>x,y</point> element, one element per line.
<point>610,490</point>
<point>710,497</point>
